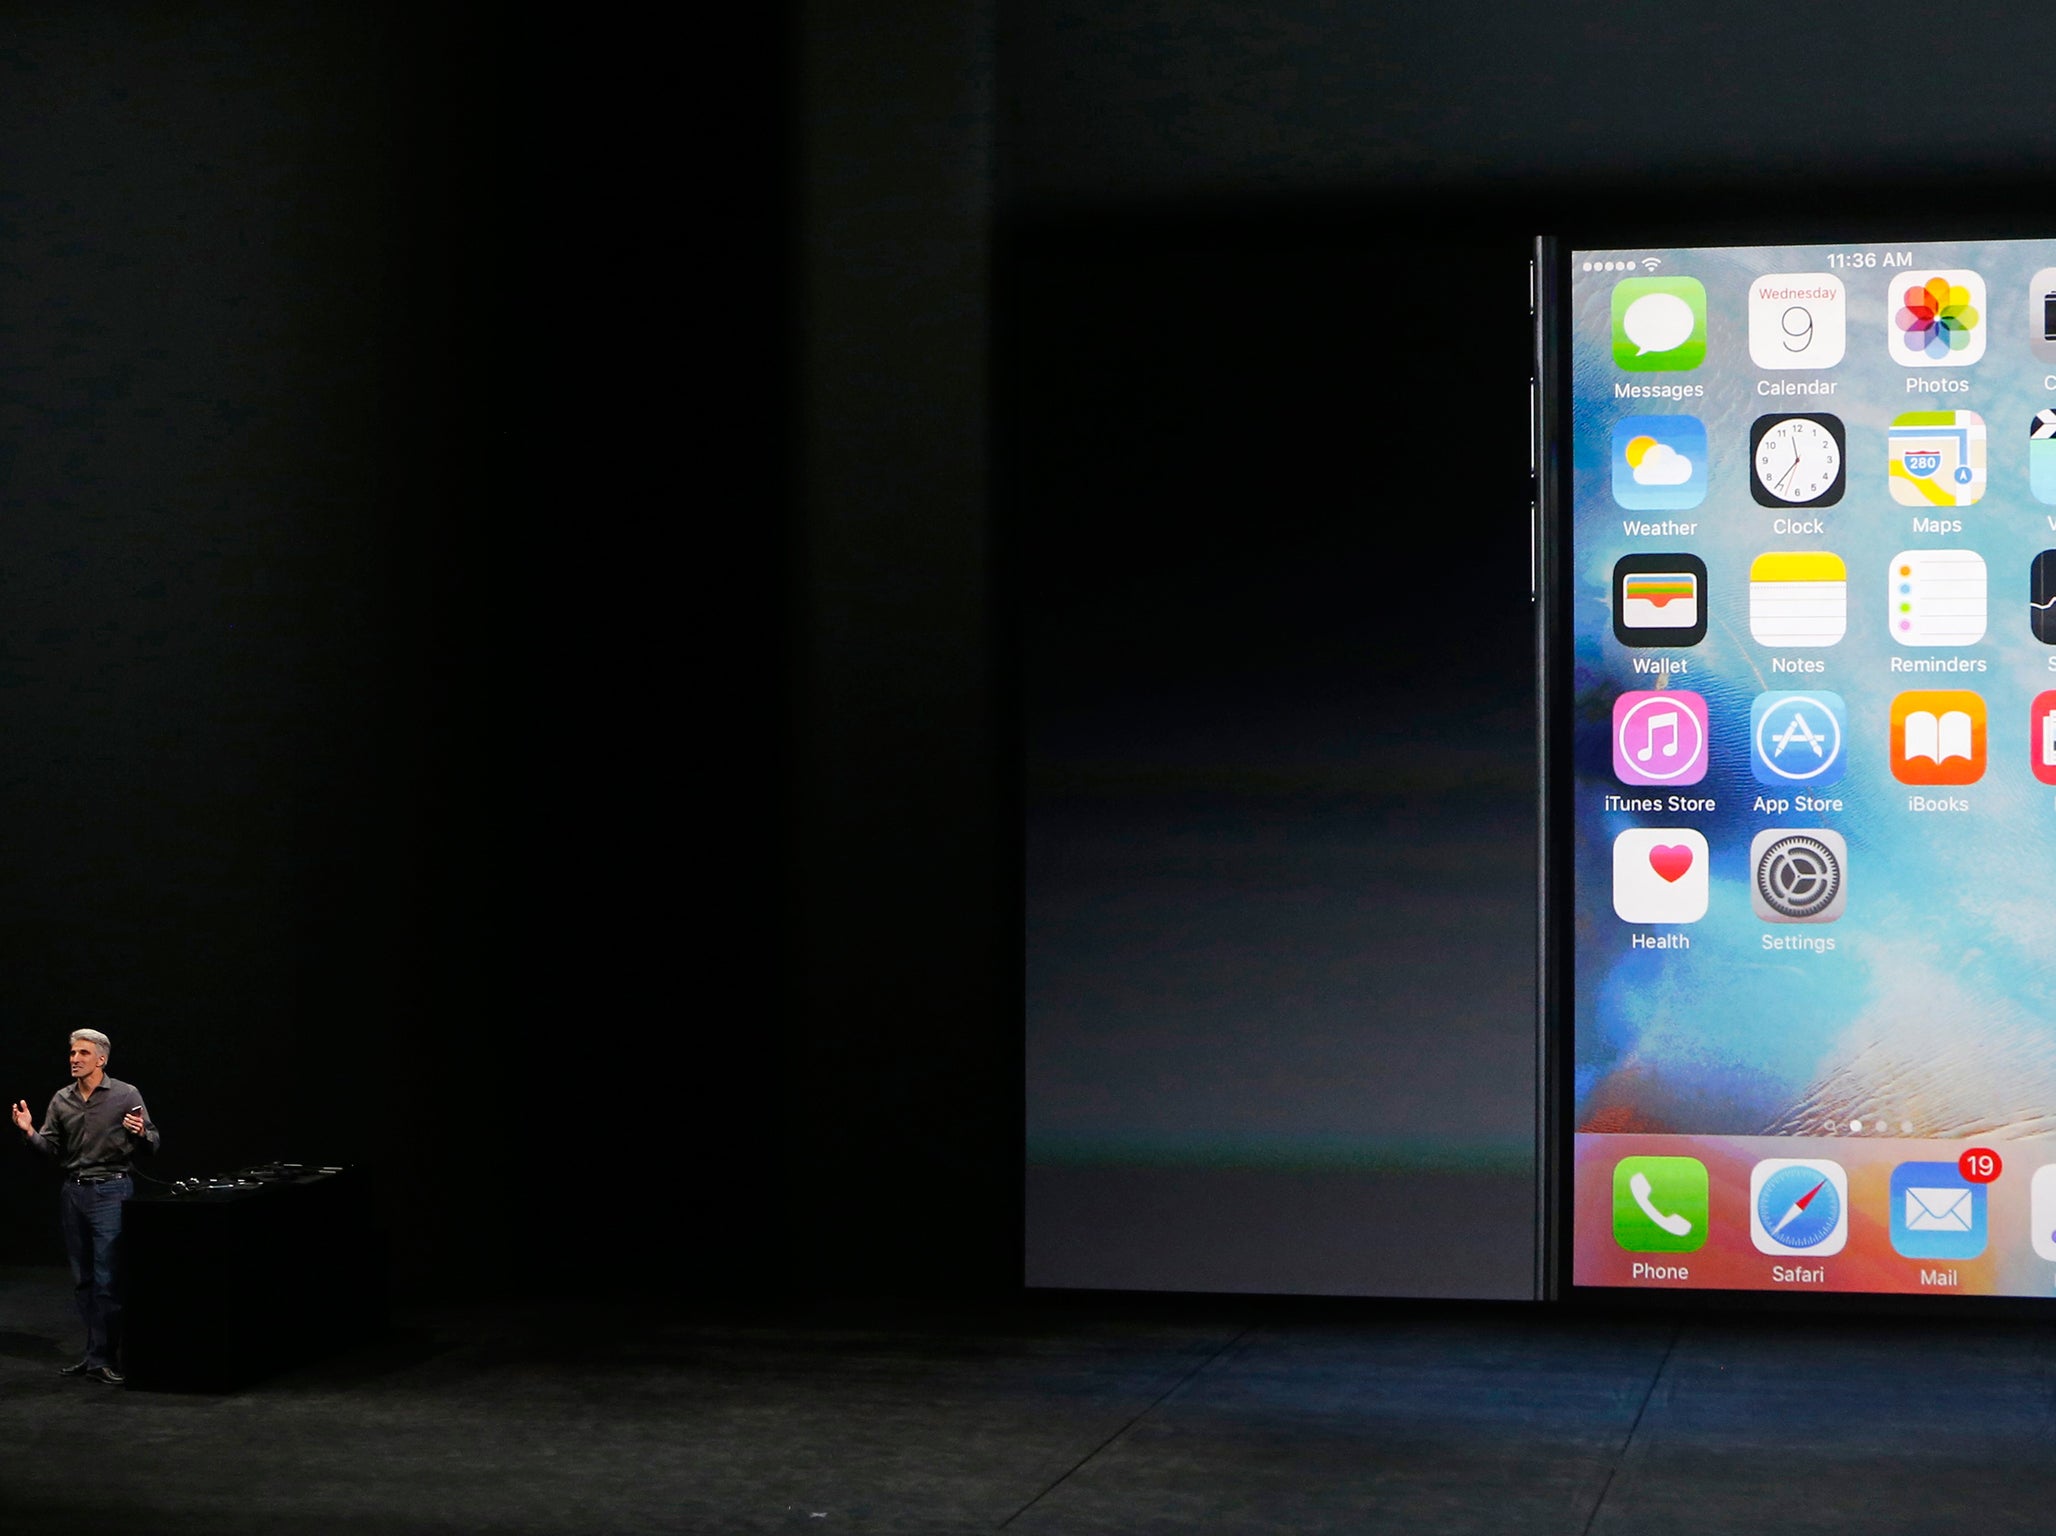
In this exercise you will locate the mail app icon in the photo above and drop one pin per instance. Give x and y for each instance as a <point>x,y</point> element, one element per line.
<point>1936,1212</point>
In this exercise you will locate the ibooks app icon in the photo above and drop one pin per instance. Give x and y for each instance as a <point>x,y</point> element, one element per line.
<point>1938,737</point>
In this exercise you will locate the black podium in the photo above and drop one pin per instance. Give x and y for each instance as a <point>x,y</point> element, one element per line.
<point>248,1275</point>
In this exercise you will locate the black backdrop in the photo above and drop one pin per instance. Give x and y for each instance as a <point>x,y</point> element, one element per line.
<point>337,662</point>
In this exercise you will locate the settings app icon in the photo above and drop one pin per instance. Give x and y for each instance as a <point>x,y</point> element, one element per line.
<point>1799,876</point>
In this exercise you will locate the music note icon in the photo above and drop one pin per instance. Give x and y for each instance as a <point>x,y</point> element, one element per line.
<point>1659,737</point>
<point>1652,725</point>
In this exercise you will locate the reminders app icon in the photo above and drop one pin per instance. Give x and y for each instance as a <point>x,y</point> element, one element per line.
<point>1936,596</point>
<point>1659,600</point>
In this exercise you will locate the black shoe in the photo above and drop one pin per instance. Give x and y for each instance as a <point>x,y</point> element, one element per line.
<point>76,1368</point>
<point>108,1374</point>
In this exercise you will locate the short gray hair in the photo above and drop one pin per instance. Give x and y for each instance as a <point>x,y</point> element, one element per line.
<point>95,1039</point>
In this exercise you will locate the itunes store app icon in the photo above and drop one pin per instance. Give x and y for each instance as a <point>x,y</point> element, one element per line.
<point>1659,875</point>
<point>1659,737</point>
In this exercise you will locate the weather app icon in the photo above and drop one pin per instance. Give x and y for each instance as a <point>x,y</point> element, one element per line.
<point>1798,738</point>
<point>1659,463</point>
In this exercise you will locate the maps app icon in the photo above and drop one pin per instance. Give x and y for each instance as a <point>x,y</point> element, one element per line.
<point>1798,738</point>
<point>1659,600</point>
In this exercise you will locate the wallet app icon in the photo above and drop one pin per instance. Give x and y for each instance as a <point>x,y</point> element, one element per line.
<point>1659,600</point>
<point>1936,1212</point>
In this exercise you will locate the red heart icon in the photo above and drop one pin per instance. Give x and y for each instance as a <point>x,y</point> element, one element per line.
<point>1670,860</point>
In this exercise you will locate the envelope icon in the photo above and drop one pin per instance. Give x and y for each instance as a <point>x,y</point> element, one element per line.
<point>1938,1210</point>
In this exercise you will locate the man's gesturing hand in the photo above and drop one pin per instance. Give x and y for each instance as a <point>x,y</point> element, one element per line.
<point>25,1121</point>
<point>132,1122</point>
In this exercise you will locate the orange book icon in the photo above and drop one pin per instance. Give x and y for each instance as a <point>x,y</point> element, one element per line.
<point>1938,737</point>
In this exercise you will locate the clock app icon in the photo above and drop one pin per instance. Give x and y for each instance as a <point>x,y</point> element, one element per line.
<point>1797,460</point>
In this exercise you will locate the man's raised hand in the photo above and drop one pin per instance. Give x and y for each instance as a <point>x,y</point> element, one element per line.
<point>24,1121</point>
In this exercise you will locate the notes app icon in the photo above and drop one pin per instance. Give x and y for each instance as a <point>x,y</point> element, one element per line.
<point>1659,600</point>
<point>1938,737</point>
<point>1798,598</point>
<point>1936,596</point>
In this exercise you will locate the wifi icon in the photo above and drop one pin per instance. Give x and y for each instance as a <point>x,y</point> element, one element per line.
<point>1650,263</point>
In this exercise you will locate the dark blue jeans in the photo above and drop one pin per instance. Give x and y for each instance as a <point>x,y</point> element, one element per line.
<point>92,1241</point>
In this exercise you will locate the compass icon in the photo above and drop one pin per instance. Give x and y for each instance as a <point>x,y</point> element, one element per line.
<point>1798,1206</point>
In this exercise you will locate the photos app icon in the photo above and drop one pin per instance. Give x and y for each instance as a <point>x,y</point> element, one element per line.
<point>1936,319</point>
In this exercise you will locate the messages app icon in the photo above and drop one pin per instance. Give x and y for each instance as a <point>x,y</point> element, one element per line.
<point>1659,1204</point>
<point>1659,324</point>
<point>1936,1212</point>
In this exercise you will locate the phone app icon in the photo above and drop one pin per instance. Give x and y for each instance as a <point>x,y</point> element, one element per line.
<point>1659,737</point>
<point>1936,458</point>
<point>1798,320</point>
<point>2041,314</point>
<point>1798,738</point>
<point>1660,1204</point>
<point>1936,596</point>
<point>1659,600</point>
<point>1798,598</point>
<point>2042,1211</point>
<point>2041,455</point>
<point>2041,597</point>
<point>1938,737</point>
<point>1659,462</point>
<point>1798,1205</point>
<point>1659,875</point>
<point>2041,736</point>
<point>1659,324</point>
<point>1936,1212</point>
<point>1799,876</point>
<point>1798,460</point>
<point>1936,319</point>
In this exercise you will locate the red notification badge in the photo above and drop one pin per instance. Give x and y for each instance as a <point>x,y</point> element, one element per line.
<point>1980,1165</point>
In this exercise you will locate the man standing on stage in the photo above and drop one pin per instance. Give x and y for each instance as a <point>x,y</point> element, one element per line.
<point>93,1127</point>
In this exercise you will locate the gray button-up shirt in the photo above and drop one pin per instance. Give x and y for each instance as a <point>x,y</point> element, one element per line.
<point>86,1135</point>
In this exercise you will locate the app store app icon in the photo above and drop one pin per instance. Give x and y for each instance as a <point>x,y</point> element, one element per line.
<point>1798,738</point>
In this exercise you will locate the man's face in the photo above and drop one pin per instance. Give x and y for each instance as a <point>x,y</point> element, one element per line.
<point>85,1056</point>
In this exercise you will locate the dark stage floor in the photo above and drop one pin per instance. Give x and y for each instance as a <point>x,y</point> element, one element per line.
<point>1058,1415</point>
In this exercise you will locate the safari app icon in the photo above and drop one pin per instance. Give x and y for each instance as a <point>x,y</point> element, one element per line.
<point>1659,324</point>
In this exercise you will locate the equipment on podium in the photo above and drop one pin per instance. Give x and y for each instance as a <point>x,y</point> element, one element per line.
<point>235,1277</point>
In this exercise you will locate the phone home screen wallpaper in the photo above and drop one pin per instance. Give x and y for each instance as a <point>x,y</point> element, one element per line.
<point>1813,571</point>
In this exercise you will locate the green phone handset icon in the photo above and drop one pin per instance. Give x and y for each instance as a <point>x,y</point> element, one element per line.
<point>1659,1204</point>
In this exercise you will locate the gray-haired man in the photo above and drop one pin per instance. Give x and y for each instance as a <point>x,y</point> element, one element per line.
<point>93,1127</point>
